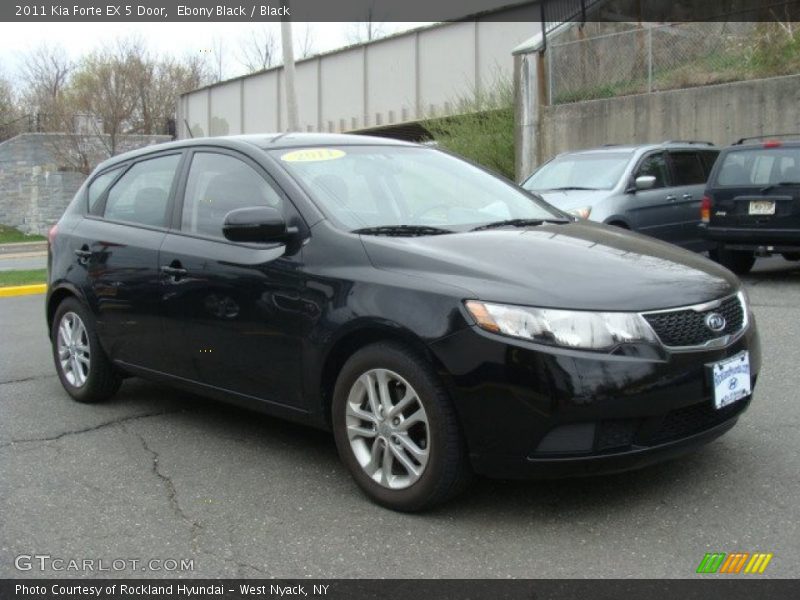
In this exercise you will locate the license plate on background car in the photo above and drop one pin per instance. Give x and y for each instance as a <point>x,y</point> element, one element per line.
<point>731,379</point>
<point>762,207</point>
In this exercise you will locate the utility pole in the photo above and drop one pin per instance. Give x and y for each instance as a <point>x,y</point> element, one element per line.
<point>288,71</point>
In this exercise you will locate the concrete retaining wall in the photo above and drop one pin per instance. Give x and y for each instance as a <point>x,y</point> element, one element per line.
<point>717,113</point>
<point>34,187</point>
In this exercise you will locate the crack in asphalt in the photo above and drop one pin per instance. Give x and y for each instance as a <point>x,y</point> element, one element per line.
<point>240,565</point>
<point>63,434</point>
<point>172,492</point>
<point>25,379</point>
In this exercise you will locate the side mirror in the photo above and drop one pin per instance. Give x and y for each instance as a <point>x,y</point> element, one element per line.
<point>255,224</point>
<point>644,182</point>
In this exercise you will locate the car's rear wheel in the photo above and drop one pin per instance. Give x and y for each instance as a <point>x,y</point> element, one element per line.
<point>738,261</point>
<point>792,256</point>
<point>81,363</point>
<point>396,429</point>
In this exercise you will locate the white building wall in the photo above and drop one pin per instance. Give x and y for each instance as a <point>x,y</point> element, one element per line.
<point>392,81</point>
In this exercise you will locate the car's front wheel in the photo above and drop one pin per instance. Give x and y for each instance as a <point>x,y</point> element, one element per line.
<point>396,429</point>
<point>738,261</point>
<point>81,363</point>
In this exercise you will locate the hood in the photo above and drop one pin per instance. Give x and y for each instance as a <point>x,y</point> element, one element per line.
<point>569,199</point>
<point>579,265</point>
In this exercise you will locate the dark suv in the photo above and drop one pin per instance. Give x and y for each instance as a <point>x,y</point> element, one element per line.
<point>752,202</point>
<point>439,320</point>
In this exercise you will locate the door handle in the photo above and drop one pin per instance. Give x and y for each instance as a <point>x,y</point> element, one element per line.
<point>671,198</point>
<point>174,270</point>
<point>687,196</point>
<point>83,254</point>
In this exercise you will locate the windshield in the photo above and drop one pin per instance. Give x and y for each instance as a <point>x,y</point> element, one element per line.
<point>597,171</point>
<point>363,187</point>
<point>760,167</point>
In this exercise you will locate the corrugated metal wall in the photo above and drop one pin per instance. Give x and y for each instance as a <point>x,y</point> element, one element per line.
<point>396,80</point>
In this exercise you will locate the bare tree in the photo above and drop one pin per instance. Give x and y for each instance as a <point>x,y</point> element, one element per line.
<point>159,83</point>
<point>10,115</point>
<point>218,58</point>
<point>367,30</point>
<point>8,105</point>
<point>45,73</point>
<point>105,86</point>
<point>259,50</point>
<point>305,42</point>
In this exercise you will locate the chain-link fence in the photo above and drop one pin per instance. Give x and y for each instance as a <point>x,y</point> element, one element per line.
<point>655,58</point>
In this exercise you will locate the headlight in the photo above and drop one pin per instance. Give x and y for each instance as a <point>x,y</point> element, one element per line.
<point>578,329</point>
<point>581,213</point>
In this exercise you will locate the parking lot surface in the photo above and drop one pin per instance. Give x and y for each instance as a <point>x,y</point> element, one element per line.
<point>160,474</point>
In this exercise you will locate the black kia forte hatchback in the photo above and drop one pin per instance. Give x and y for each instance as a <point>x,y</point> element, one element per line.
<point>439,320</point>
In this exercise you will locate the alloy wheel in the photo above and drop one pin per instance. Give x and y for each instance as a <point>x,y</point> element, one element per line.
<point>388,428</point>
<point>73,349</point>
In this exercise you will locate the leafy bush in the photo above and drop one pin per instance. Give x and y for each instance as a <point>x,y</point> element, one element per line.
<point>482,129</point>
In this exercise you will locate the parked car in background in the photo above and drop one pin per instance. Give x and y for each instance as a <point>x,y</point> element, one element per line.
<point>654,189</point>
<point>438,319</point>
<point>752,202</point>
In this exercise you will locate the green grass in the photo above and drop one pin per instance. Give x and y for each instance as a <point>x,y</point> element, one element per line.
<point>23,277</point>
<point>10,235</point>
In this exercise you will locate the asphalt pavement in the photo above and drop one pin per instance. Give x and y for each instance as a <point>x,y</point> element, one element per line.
<point>160,474</point>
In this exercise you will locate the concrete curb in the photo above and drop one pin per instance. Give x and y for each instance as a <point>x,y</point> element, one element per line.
<point>16,247</point>
<point>23,290</point>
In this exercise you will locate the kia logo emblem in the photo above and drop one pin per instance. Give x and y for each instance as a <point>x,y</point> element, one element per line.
<point>715,322</point>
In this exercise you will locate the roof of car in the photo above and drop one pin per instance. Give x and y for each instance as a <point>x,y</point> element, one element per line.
<point>647,147</point>
<point>264,141</point>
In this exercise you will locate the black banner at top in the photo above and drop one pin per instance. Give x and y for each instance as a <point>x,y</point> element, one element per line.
<point>395,10</point>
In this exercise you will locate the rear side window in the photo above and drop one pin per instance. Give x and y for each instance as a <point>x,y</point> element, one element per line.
<point>687,168</point>
<point>656,166</point>
<point>759,167</point>
<point>98,187</point>
<point>709,158</point>
<point>218,184</point>
<point>141,194</point>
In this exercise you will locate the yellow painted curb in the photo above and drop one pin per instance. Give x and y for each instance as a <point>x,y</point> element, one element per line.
<point>23,290</point>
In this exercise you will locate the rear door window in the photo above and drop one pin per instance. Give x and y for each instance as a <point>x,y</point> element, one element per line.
<point>141,195</point>
<point>687,168</point>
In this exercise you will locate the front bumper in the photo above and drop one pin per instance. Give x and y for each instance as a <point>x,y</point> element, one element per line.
<point>533,411</point>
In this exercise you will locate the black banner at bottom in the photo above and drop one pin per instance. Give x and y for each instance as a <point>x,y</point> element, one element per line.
<point>733,588</point>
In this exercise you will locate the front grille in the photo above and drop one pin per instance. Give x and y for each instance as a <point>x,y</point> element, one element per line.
<point>687,327</point>
<point>693,419</point>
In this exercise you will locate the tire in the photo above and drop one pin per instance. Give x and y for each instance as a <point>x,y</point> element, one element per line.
<point>791,256</point>
<point>738,261</point>
<point>620,225</point>
<point>444,470</point>
<point>95,383</point>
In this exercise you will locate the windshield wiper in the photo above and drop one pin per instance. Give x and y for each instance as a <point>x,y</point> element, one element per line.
<point>570,188</point>
<point>779,184</point>
<point>518,223</point>
<point>401,230</point>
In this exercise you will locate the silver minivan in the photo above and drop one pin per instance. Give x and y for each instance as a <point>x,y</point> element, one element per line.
<point>655,189</point>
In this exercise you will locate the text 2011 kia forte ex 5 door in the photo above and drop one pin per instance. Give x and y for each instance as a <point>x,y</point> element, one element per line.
<point>439,320</point>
